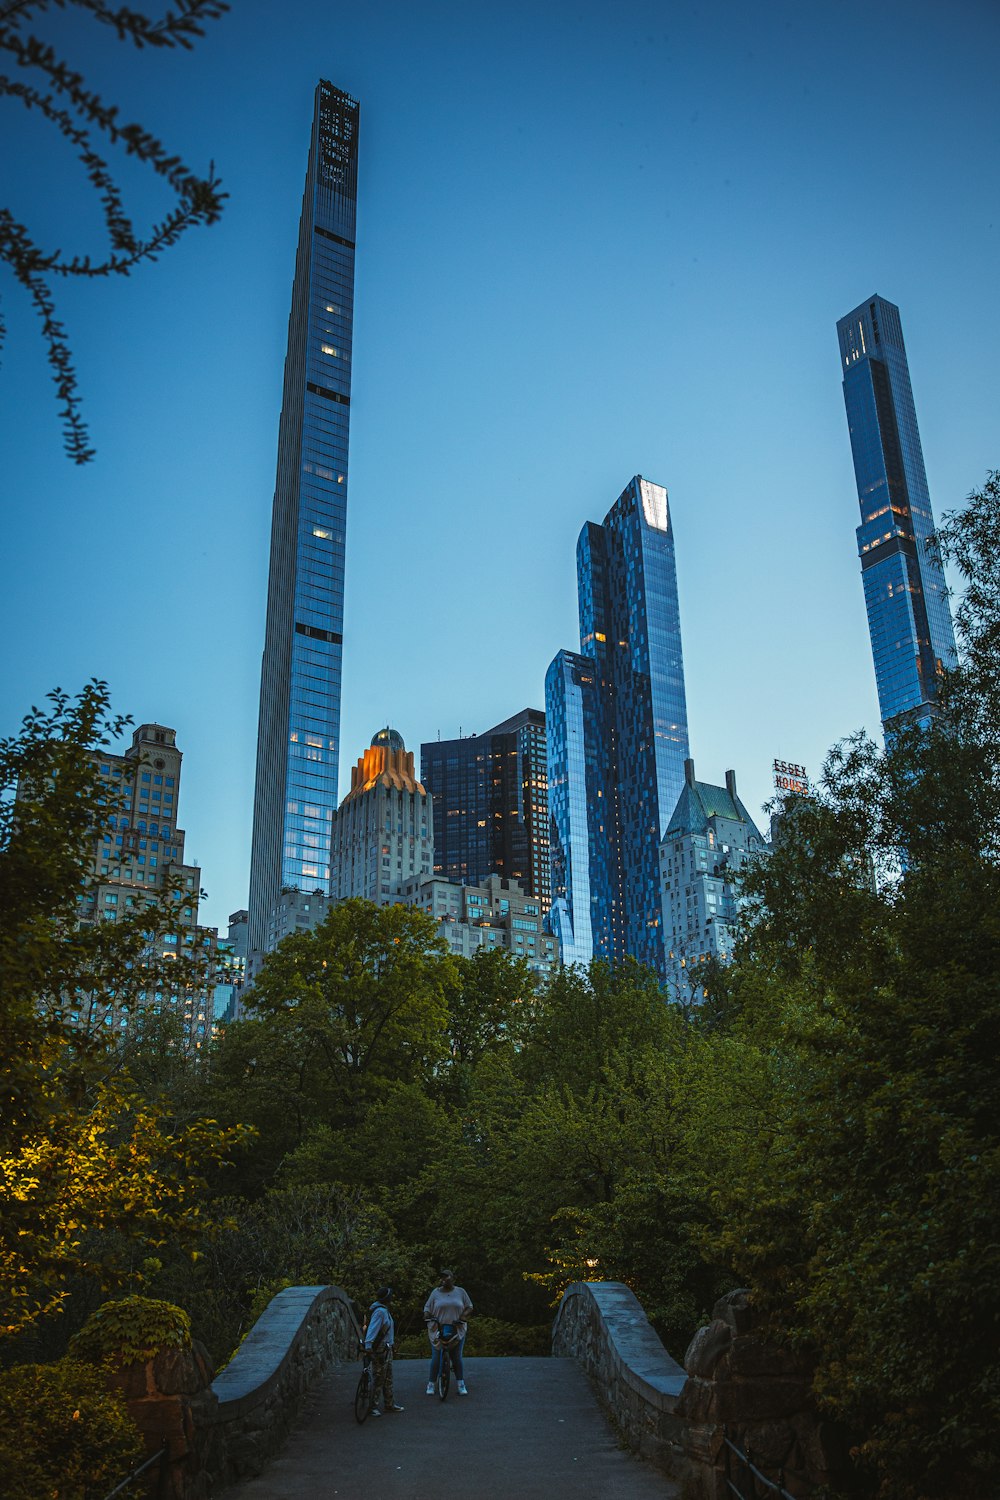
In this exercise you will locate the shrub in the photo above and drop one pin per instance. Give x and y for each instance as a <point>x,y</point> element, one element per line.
<point>488,1338</point>
<point>63,1435</point>
<point>130,1330</point>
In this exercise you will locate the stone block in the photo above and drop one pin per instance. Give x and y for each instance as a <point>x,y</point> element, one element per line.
<point>772,1443</point>
<point>697,1400</point>
<point>179,1372</point>
<point>707,1347</point>
<point>734,1309</point>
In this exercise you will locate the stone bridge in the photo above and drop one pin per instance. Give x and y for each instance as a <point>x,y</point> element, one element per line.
<point>609,1414</point>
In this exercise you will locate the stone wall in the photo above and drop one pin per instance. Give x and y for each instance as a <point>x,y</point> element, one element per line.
<point>218,1432</point>
<point>601,1324</point>
<point>259,1394</point>
<point>762,1396</point>
<point>732,1381</point>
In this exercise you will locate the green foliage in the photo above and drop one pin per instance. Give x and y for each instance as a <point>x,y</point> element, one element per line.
<point>866,1213</point>
<point>336,1018</point>
<point>492,1337</point>
<point>488,1338</point>
<point>89,1167</point>
<point>63,1434</point>
<point>132,1329</point>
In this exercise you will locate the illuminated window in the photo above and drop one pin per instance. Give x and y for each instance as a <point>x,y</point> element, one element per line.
<point>321,531</point>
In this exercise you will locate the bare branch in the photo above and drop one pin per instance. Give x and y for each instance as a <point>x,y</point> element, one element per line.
<point>200,198</point>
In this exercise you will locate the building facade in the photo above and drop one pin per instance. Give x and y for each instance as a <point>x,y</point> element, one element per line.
<point>491,812</point>
<point>298,738</point>
<point>295,911</point>
<point>709,839</point>
<point>494,915</point>
<point>137,853</point>
<point>909,617</point>
<point>617,735</point>
<point>383,834</point>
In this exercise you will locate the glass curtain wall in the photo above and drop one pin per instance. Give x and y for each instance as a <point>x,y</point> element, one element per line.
<point>298,743</point>
<point>909,617</point>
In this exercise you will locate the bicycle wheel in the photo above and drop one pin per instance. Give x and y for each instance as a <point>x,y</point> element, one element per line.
<point>444,1375</point>
<point>363,1395</point>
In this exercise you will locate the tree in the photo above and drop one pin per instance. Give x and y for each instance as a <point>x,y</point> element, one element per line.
<point>867,1217</point>
<point>82,1154</point>
<point>335,1017</point>
<point>49,88</point>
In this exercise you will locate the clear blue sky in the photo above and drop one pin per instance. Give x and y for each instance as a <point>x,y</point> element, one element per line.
<point>593,241</point>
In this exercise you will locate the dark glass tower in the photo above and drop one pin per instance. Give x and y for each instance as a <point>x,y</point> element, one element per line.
<point>298,738</point>
<point>491,804</point>
<point>909,617</point>
<point>617,733</point>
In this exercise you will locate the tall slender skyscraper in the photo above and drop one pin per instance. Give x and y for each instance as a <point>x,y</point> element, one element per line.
<point>909,617</point>
<point>298,738</point>
<point>616,718</point>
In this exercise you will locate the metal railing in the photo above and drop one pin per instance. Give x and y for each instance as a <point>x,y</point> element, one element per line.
<point>749,1473</point>
<point>157,1458</point>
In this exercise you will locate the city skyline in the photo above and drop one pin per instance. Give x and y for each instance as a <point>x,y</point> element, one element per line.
<point>515,359</point>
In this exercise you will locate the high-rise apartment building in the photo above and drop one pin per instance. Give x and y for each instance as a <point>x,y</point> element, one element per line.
<point>709,839</point>
<point>491,811</point>
<point>383,834</point>
<point>909,617</point>
<point>617,735</point>
<point>137,852</point>
<point>298,738</point>
<point>495,915</point>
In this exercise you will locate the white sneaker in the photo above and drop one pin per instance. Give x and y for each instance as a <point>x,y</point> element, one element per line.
<point>461,1388</point>
<point>374,1412</point>
<point>430,1388</point>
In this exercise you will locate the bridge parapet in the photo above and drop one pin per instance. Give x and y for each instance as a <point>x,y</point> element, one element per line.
<point>259,1394</point>
<point>602,1325</point>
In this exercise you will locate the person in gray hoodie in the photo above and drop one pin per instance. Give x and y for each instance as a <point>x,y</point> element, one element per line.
<point>447,1304</point>
<point>380,1335</point>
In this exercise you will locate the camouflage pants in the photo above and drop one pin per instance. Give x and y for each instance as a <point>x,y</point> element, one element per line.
<point>382,1367</point>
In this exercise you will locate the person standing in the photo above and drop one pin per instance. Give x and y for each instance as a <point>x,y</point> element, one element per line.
<point>447,1304</point>
<point>380,1336</point>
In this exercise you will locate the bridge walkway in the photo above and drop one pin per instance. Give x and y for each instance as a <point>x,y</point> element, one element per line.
<point>530,1429</point>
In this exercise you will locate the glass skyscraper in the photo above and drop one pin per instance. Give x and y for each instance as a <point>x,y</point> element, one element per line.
<point>909,617</point>
<point>617,735</point>
<point>298,739</point>
<point>491,805</point>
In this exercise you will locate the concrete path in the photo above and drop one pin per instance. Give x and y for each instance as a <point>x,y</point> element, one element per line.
<point>530,1429</point>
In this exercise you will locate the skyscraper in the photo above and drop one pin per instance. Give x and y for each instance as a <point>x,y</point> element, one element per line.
<point>137,853</point>
<point>617,735</point>
<point>491,804</point>
<point>383,835</point>
<point>909,617</point>
<point>709,839</point>
<point>298,738</point>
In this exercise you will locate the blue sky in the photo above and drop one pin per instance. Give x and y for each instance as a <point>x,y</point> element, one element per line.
<point>593,241</point>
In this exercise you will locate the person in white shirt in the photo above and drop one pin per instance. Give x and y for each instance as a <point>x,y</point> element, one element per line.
<point>450,1305</point>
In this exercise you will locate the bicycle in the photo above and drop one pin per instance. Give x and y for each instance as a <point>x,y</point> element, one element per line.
<point>449,1339</point>
<point>364,1396</point>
